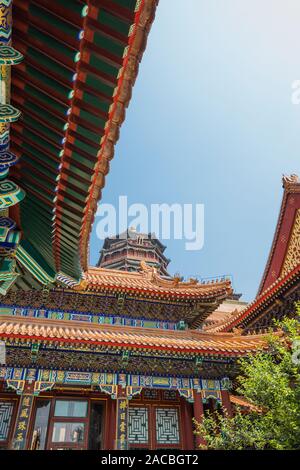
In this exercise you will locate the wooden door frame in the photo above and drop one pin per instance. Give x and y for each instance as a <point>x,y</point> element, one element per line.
<point>103,400</point>
<point>64,419</point>
<point>152,406</point>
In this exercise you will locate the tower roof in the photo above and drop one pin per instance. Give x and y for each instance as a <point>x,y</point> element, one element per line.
<point>126,251</point>
<point>132,234</point>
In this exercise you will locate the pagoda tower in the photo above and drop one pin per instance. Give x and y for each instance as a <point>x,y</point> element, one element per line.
<point>126,251</point>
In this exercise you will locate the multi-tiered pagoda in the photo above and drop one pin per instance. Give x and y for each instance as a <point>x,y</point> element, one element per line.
<point>103,358</point>
<point>126,251</point>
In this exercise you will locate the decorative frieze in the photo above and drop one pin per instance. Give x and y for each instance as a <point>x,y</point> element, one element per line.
<point>99,318</point>
<point>108,382</point>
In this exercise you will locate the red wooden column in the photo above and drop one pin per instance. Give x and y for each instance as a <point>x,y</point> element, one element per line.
<point>112,423</point>
<point>198,415</point>
<point>188,427</point>
<point>226,403</point>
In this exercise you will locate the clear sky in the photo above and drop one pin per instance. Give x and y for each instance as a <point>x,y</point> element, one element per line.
<point>211,121</point>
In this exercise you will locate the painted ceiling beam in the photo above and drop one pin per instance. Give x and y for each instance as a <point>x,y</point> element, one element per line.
<point>79,60</point>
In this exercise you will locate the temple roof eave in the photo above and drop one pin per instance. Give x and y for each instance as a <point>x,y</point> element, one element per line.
<point>260,304</point>
<point>73,88</point>
<point>289,206</point>
<point>147,281</point>
<point>178,342</point>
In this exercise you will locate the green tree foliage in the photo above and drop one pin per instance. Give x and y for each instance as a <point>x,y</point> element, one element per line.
<point>270,380</point>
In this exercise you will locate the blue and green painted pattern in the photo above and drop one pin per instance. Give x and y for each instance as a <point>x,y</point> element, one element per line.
<point>10,193</point>
<point>34,263</point>
<point>99,319</point>
<point>69,377</point>
<point>5,21</point>
<point>10,56</point>
<point>51,142</point>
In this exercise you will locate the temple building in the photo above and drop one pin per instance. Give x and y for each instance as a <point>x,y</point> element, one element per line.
<point>126,251</point>
<point>121,355</point>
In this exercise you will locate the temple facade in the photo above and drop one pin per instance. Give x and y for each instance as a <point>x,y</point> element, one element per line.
<point>120,362</point>
<point>114,365</point>
<point>122,355</point>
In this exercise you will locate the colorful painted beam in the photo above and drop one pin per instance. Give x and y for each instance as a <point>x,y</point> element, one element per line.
<point>10,193</point>
<point>81,63</point>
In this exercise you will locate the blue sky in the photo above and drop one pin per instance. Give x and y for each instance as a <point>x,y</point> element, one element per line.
<point>211,121</point>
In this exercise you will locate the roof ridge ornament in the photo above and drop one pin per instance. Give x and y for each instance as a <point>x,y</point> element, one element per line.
<point>177,281</point>
<point>147,270</point>
<point>288,180</point>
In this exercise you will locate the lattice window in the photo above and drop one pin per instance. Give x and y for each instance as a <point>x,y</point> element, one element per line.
<point>6,411</point>
<point>138,425</point>
<point>151,394</point>
<point>170,395</point>
<point>167,426</point>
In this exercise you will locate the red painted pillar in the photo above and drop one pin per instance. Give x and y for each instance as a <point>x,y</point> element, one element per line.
<point>198,415</point>
<point>112,423</point>
<point>187,429</point>
<point>226,403</point>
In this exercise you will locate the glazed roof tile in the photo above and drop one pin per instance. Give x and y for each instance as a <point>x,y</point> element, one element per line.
<point>244,403</point>
<point>148,281</point>
<point>275,280</point>
<point>286,220</point>
<point>226,311</point>
<point>262,302</point>
<point>191,341</point>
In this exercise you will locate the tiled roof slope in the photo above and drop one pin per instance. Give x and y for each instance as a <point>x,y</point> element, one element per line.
<point>189,341</point>
<point>149,281</point>
<point>282,272</point>
<point>261,303</point>
<point>288,216</point>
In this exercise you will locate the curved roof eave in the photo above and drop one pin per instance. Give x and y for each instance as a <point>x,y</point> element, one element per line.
<point>81,61</point>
